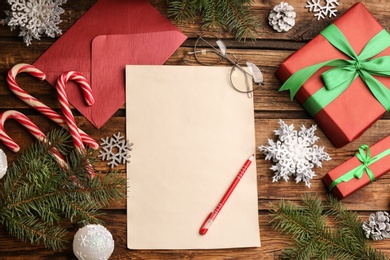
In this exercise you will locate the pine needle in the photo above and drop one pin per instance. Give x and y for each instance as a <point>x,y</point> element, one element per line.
<point>308,226</point>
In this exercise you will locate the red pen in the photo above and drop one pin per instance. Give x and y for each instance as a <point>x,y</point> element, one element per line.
<point>211,217</point>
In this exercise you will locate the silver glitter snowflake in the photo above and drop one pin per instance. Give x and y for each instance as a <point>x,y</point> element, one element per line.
<point>294,153</point>
<point>34,18</point>
<point>115,150</point>
<point>322,11</point>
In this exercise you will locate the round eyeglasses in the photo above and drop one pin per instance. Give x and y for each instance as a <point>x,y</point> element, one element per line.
<point>244,80</point>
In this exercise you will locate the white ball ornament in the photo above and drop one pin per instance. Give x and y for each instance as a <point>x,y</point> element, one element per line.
<point>3,164</point>
<point>93,242</point>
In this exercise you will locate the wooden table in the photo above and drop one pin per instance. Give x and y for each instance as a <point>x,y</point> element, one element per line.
<point>268,51</point>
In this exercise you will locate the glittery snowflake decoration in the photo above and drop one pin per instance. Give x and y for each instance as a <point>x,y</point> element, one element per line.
<point>321,11</point>
<point>115,150</point>
<point>294,153</point>
<point>34,18</point>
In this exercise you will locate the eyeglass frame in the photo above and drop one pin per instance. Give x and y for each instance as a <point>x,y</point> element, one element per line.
<point>233,62</point>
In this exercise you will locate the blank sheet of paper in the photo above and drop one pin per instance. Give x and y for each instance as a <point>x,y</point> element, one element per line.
<point>192,133</point>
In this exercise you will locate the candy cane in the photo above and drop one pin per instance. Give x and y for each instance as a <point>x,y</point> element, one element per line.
<point>35,103</point>
<point>65,107</point>
<point>32,128</point>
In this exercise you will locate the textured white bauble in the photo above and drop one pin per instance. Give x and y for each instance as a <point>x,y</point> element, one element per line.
<point>93,242</point>
<point>3,164</point>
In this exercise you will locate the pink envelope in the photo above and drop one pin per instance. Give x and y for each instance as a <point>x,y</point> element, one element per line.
<point>112,34</point>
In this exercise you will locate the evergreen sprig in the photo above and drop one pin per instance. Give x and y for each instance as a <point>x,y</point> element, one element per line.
<point>37,195</point>
<point>309,226</point>
<point>236,16</point>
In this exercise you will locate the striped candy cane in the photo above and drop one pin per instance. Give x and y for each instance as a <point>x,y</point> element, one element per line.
<point>65,107</point>
<point>32,128</point>
<point>36,104</point>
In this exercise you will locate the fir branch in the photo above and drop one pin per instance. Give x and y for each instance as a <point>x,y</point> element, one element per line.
<point>347,220</point>
<point>212,18</point>
<point>37,152</point>
<point>240,19</point>
<point>308,226</point>
<point>237,16</point>
<point>81,211</point>
<point>33,230</point>
<point>287,218</point>
<point>37,194</point>
<point>111,186</point>
<point>78,163</point>
<point>183,10</point>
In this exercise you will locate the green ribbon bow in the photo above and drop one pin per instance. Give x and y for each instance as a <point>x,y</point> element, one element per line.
<point>364,156</point>
<point>345,71</point>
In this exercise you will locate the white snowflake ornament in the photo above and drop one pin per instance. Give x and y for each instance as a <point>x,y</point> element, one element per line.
<point>295,153</point>
<point>115,150</point>
<point>34,18</point>
<point>321,11</point>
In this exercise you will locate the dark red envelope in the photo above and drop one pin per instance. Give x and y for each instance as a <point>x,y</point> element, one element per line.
<point>378,168</point>
<point>110,35</point>
<point>356,109</point>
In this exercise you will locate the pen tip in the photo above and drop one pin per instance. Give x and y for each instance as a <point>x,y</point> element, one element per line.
<point>203,231</point>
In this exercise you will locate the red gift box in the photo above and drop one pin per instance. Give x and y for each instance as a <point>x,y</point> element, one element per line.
<point>368,165</point>
<point>347,116</point>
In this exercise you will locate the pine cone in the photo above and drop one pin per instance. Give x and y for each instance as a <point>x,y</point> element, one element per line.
<point>378,226</point>
<point>281,17</point>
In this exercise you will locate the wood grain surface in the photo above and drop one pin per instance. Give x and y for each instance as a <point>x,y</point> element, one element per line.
<point>267,51</point>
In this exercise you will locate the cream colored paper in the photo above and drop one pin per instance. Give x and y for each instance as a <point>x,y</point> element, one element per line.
<point>192,133</point>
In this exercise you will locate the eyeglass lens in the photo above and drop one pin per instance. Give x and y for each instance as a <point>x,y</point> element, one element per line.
<point>242,79</point>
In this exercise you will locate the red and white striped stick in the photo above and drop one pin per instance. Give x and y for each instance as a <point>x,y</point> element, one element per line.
<point>65,107</point>
<point>35,103</point>
<point>32,128</point>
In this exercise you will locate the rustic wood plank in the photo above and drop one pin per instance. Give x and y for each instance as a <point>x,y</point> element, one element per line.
<point>368,198</point>
<point>268,51</point>
<point>307,25</point>
<point>271,240</point>
<point>266,98</point>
